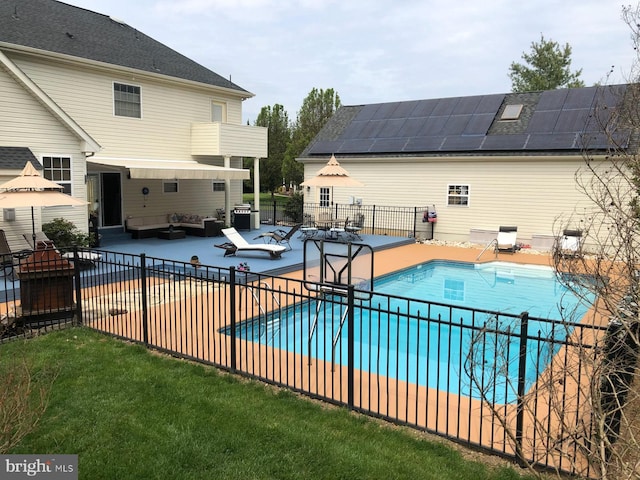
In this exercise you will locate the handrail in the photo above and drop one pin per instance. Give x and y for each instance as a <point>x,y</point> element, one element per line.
<point>257,299</point>
<point>335,339</point>
<point>314,325</point>
<point>495,240</point>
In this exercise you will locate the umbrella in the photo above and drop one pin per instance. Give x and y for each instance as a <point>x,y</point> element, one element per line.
<point>30,189</point>
<point>332,175</point>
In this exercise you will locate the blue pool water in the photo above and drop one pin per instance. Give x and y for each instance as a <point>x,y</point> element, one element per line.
<point>425,343</point>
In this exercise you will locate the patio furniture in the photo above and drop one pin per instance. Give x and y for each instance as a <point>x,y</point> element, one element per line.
<point>353,228</point>
<point>506,240</point>
<point>569,245</point>
<point>9,257</point>
<point>171,234</point>
<point>338,228</point>
<point>237,243</point>
<point>280,237</point>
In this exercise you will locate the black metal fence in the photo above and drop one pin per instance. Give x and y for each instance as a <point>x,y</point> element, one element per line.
<point>483,378</point>
<point>374,219</point>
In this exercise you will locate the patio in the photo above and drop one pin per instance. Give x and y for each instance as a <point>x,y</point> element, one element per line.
<point>204,248</point>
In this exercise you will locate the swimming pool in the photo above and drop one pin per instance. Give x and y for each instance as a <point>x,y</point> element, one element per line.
<point>420,323</point>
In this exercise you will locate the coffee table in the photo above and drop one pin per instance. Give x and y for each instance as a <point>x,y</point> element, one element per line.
<point>171,234</point>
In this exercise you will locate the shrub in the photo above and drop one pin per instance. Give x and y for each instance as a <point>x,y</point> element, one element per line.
<point>294,206</point>
<point>64,234</point>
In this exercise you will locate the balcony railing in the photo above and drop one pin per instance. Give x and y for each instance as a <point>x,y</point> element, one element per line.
<point>224,139</point>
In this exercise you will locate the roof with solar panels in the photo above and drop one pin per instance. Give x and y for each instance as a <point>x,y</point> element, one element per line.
<point>563,121</point>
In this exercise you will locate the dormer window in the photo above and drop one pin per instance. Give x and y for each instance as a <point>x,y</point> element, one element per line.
<point>511,112</point>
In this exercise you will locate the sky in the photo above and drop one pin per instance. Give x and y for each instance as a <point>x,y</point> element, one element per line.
<point>376,51</point>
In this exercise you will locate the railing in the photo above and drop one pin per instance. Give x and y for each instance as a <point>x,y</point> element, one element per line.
<point>376,219</point>
<point>477,376</point>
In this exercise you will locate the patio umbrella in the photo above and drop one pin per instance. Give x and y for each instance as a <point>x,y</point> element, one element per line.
<point>332,175</point>
<point>30,189</point>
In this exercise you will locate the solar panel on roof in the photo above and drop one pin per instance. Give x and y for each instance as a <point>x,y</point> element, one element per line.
<point>384,111</point>
<point>579,98</point>
<point>466,105</point>
<point>504,142</point>
<point>572,120</point>
<point>391,128</point>
<point>355,146</point>
<point>404,109</point>
<point>424,144</point>
<point>325,147</point>
<point>479,124</point>
<point>462,143</point>
<point>411,127</point>
<point>445,106</point>
<point>456,124</point>
<point>543,122</point>
<point>371,129</point>
<point>424,108</point>
<point>431,126</point>
<point>556,141</point>
<point>354,129</point>
<point>388,145</point>
<point>367,112</point>
<point>551,100</point>
<point>489,104</point>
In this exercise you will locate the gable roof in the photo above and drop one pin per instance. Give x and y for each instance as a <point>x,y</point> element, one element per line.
<point>15,158</point>
<point>564,120</point>
<point>54,26</point>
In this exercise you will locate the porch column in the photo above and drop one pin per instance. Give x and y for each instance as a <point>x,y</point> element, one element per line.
<point>256,191</point>
<point>227,193</point>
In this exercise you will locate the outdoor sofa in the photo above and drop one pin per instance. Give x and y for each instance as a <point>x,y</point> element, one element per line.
<point>149,226</point>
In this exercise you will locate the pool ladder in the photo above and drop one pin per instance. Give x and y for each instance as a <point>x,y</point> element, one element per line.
<point>314,326</point>
<point>270,329</point>
<point>492,242</point>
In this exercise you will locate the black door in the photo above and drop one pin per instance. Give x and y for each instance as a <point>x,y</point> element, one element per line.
<point>111,200</point>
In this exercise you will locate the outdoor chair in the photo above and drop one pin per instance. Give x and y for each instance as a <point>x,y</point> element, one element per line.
<point>237,243</point>
<point>338,230</point>
<point>353,228</point>
<point>506,240</point>
<point>569,245</point>
<point>40,237</point>
<point>280,237</point>
<point>9,257</point>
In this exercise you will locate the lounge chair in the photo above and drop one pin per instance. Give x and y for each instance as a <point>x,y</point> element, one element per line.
<point>506,240</point>
<point>39,236</point>
<point>280,237</point>
<point>570,244</point>
<point>9,257</point>
<point>237,243</point>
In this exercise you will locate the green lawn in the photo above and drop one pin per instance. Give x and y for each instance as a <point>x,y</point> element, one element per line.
<point>130,413</point>
<point>265,198</point>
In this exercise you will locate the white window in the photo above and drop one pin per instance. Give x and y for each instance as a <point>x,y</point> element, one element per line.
<point>458,195</point>
<point>218,112</point>
<point>170,186</point>
<point>58,169</point>
<point>324,196</point>
<point>218,186</point>
<point>126,100</point>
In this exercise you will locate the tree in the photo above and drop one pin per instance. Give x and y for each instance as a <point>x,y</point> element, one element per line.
<point>276,120</point>
<point>547,67</point>
<point>316,110</point>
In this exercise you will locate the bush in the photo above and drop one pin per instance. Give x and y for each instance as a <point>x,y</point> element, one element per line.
<point>64,234</point>
<point>294,206</point>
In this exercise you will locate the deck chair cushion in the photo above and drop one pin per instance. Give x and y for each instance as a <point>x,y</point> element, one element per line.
<point>238,243</point>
